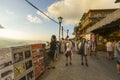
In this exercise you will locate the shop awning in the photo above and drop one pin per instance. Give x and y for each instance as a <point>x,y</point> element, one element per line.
<point>107,20</point>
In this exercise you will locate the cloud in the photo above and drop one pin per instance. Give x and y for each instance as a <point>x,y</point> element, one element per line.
<point>33,19</point>
<point>9,12</point>
<point>1,27</point>
<point>72,10</point>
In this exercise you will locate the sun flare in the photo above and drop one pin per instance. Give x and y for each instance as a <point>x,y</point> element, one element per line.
<point>11,34</point>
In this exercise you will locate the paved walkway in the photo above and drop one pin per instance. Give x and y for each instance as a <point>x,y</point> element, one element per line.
<point>99,69</point>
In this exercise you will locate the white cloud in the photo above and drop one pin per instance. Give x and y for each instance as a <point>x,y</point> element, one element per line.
<point>72,10</point>
<point>33,19</point>
<point>1,26</point>
<point>9,12</point>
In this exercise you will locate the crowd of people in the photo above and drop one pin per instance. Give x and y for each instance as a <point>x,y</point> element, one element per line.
<point>84,48</point>
<point>113,51</point>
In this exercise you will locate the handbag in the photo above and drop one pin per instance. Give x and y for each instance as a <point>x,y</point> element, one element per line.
<point>66,54</point>
<point>80,52</point>
<point>81,49</point>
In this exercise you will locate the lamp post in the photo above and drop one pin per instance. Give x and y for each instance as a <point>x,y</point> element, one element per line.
<point>60,21</point>
<point>62,31</point>
<point>67,33</point>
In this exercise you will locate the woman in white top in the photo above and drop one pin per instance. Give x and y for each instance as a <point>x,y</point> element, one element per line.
<point>68,52</point>
<point>109,46</point>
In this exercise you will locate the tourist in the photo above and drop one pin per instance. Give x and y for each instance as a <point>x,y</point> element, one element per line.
<point>68,53</point>
<point>109,46</point>
<point>52,51</point>
<point>117,48</point>
<point>83,48</point>
<point>89,47</point>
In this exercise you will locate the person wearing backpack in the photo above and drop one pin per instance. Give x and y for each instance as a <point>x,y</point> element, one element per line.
<point>83,48</point>
<point>53,48</point>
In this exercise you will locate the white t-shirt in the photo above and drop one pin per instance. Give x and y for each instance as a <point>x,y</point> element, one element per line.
<point>69,46</point>
<point>109,46</point>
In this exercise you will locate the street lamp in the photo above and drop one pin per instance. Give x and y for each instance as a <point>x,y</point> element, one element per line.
<point>62,31</point>
<point>60,21</point>
<point>67,33</point>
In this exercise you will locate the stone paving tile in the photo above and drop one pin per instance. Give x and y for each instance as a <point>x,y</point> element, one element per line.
<point>99,69</point>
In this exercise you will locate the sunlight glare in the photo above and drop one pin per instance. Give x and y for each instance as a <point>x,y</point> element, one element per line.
<point>11,34</point>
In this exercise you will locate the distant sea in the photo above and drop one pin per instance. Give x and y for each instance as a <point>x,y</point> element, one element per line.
<point>5,42</point>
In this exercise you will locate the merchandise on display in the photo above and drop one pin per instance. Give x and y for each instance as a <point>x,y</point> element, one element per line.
<point>38,59</point>
<point>24,62</point>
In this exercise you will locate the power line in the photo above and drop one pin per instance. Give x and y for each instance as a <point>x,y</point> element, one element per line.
<point>44,13</point>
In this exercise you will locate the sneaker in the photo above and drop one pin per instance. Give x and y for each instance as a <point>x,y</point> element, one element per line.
<point>53,67</point>
<point>82,63</point>
<point>66,64</point>
<point>48,68</point>
<point>70,63</point>
<point>87,64</point>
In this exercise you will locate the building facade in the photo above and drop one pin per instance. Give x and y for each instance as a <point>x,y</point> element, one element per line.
<point>92,17</point>
<point>89,19</point>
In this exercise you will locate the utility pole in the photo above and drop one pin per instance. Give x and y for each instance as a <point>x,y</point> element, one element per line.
<point>60,21</point>
<point>62,31</point>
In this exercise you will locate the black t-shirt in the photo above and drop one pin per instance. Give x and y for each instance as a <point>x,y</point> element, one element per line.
<point>53,45</point>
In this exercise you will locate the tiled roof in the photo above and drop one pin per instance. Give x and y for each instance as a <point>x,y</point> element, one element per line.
<point>109,19</point>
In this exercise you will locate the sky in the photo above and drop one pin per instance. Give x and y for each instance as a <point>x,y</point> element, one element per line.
<point>21,21</point>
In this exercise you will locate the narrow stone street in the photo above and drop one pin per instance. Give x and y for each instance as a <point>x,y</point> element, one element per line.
<point>99,68</point>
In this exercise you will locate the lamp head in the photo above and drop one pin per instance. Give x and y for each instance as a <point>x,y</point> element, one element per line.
<point>60,19</point>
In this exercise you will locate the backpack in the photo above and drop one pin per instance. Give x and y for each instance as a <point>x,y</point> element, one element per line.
<point>81,50</point>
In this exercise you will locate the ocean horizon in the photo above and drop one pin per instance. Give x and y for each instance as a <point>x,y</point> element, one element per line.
<point>5,42</point>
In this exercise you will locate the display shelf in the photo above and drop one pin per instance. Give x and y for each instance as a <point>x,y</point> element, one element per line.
<point>27,54</point>
<point>5,57</point>
<point>30,75</point>
<point>20,53</point>
<point>22,77</point>
<point>24,62</point>
<point>7,73</point>
<point>19,69</point>
<point>38,59</point>
<point>6,64</point>
<point>28,64</point>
